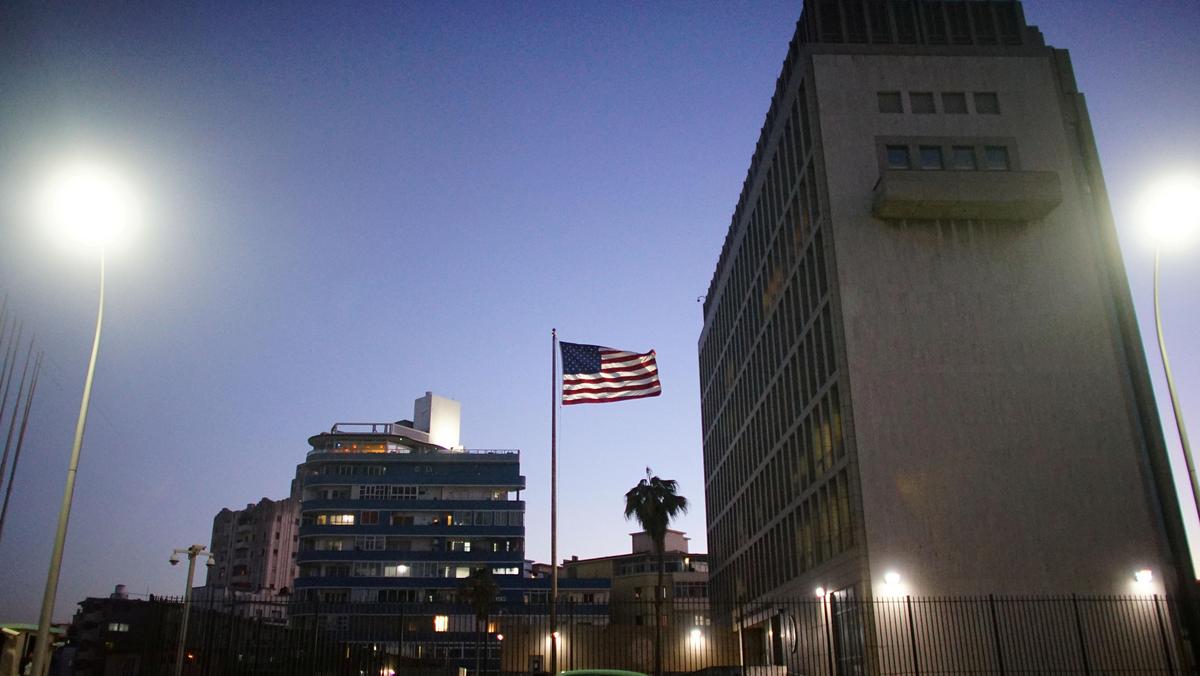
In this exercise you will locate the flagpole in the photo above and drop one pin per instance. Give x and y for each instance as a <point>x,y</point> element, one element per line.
<point>553,502</point>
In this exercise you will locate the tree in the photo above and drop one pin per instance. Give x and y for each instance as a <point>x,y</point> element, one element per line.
<point>654,502</point>
<point>479,590</point>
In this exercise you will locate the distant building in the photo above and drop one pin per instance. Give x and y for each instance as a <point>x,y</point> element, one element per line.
<point>120,635</point>
<point>920,368</point>
<point>635,575</point>
<point>254,548</point>
<point>393,518</point>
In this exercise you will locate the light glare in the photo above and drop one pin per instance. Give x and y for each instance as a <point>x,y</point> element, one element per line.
<point>87,205</point>
<point>1170,210</point>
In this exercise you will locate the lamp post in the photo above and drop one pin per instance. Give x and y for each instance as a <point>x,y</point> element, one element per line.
<point>1169,210</point>
<point>1175,406</point>
<point>93,207</point>
<point>191,552</point>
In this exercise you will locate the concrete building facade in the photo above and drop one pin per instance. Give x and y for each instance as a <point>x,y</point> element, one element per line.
<point>919,359</point>
<point>254,548</point>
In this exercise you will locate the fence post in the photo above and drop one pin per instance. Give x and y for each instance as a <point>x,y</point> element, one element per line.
<point>912,635</point>
<point>1162,635</point>
<point>827,611</point>
<point>1087,669</point>
<point>996,633</point>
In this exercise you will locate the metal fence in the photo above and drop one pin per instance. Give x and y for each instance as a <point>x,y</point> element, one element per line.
<point>817,637</point>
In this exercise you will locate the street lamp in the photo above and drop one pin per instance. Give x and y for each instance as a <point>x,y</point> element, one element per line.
<point>95,209</point>
<point>1170,212</point>
<point>191,552</point>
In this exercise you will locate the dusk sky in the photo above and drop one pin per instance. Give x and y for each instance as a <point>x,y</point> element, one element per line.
<point>351,204</point>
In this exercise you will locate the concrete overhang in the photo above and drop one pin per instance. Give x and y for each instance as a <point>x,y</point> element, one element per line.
<point>980,195</point>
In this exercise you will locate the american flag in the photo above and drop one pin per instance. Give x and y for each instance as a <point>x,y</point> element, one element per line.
<point>598,375</point>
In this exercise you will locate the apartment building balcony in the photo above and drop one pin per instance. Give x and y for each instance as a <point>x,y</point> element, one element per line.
<point>977,195</point>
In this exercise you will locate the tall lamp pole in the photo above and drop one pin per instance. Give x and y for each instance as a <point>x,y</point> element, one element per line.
<point>41,649</point>
<point>90,206</point>
<point>1175,406</point>
<point>191,552</point>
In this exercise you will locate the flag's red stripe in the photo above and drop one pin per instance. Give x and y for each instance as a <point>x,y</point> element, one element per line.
<point>612,387</point>
<point>628,366</point>
<point>572,378</point>
<point>608,401</point>
<point>606,390</point>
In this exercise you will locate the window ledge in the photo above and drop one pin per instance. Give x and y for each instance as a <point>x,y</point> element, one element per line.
<point>991,195</point>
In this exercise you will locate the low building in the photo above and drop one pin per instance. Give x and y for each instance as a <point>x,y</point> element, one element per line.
<point>635,575</point>
<point>120,635</point>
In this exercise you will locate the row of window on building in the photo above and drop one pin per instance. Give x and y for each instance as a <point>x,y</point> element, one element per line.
<point>952,103</point>
<point>907,22</point>
<point>381,543</point>
<point>422,569</point>
<point>954,157</point>
<point>817,530</point>
<point>438,596</point>
<point>792,398</point>
<point>793,285</point>
<point>798,468</point>
<point>782,172</point>
<point>373,517</point>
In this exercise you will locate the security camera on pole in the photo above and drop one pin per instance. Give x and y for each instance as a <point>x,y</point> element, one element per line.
<point>191,552</point>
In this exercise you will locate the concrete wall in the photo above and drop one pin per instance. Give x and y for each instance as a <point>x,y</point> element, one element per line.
<point>991,410</point>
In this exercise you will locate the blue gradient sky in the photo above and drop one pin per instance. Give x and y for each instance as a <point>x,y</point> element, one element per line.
<point>353,204</point>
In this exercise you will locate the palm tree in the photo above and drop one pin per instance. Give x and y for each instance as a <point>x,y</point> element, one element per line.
<point>654,502</point>
<point>479,590</point>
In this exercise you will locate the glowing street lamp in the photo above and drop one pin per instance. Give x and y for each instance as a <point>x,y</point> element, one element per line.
<point>1170,211</point>
<point>94,208</point>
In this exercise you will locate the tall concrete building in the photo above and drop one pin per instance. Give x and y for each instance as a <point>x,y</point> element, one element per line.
<point>254,548</point>
<point>920,367</point>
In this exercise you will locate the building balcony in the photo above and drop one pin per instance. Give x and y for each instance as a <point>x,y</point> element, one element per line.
<point>458,532</point>
<point>402,453</point>
<point>349,504</point>
<point>453,477</point>
<point>504,559</point>
<point>975,195</point>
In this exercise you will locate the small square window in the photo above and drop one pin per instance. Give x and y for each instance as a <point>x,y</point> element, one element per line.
<point>962,158</point>
<point>987,103</point>
<point>890,102</point>
<point>921,102</point>
<point>995,158</point>
<point>954,103</point>
<point>897,157</point>
<point>931,157</point>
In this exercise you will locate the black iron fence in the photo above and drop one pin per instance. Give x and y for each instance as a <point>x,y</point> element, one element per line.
<point>817,637</point>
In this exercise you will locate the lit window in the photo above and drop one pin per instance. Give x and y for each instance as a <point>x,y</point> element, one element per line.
<point>921,102</point>
<point>118,626</point>
<point>897,157</point>
<point>954,103</point>
<point>341,519</point>
<point>962,158</point>
<point>441,623</point>
<point>890,102</point>
<point>987,103</point>
<point>931,157</point>
<point>995,158</point>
